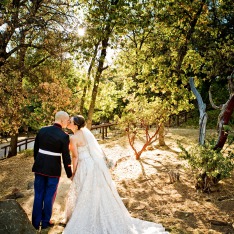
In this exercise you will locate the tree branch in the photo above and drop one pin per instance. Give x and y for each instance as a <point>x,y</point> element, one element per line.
<point>202,111</point>
<point>212,103</point>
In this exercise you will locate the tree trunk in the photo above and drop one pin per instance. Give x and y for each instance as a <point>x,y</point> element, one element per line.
<point>100,69</point>
<point>107,33</point>
<point>202,110</point>
<point>161,139</point>
<point>225,114</point>
<point>13,146</point>
<point>82,100</point>
<point>205,181</point>
<point>87,85</point>
<point>224,121</point>
<point>93,100</point>
<point>148,139</point>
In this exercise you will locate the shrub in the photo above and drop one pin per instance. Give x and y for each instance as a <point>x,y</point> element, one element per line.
<point>210,165</point>
<point>27,153</point>
<point>193,121</point>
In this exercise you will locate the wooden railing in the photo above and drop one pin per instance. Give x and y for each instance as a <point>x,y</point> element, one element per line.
<point>103,128</point>
<point>174,120</point>
<point>24,143</point>
<point>177,120</point>
<point>20,143</point>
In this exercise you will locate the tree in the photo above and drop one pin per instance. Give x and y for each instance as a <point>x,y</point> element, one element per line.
<point>152,68</point>
<point>100,19</point>
<point>225,114</point>
<point>13,97</point>
<point>139,116</point>
<point>30,18</point>
<point>187,39</point>
<point>28,29</point>
<point>212,164</point>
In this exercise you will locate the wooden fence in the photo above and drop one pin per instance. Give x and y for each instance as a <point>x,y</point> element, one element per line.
<point>177,120</point>
<point>103,128</point>
<point>23,144</point>
<point>174,120</point>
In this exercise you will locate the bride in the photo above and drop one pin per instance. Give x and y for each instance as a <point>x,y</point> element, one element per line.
<point>93,205</point>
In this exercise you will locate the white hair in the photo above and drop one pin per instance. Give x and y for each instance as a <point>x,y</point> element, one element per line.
<point>60,115</point>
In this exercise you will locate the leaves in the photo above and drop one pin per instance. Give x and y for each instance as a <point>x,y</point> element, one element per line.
<point>205,160</point>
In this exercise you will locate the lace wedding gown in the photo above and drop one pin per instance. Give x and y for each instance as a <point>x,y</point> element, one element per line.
<point>93,205</point>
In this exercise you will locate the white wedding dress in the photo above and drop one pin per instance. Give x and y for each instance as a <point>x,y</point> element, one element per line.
<point>93,205</point>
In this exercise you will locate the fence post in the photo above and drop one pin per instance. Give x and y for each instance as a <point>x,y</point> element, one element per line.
<point>26,143</point>
<point>106,131</point>
<point>103,133</point>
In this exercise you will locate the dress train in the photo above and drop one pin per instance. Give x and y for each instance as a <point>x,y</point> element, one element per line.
<point>93,205</point>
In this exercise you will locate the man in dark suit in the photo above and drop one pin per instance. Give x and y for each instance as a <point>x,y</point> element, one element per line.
<point>51,145</point>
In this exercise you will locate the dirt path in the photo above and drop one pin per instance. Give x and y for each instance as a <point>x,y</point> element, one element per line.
<point>144,186</point>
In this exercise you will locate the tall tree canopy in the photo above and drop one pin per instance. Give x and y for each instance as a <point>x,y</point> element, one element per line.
<point>155,46</point>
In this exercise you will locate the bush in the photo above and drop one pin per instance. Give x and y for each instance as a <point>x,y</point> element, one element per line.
<point>210,165</point>
<point>27,153</point>
<point>212,119</point>
<point>193,121</point>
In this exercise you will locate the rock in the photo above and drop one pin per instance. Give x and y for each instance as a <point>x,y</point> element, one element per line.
<point>183,214</point>
<point>208,200</point>
<point>30,185</point>
<point>140,207</point>
<point>14,194</point>
<point>224,198</point>
<point>13,219</point>
<point>150,147</point>
<point>218,223</point>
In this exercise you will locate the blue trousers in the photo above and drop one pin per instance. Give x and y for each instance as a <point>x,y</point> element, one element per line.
<point>45,190</point>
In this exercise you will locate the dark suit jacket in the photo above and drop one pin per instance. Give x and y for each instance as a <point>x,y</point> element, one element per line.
<point>52,139</point>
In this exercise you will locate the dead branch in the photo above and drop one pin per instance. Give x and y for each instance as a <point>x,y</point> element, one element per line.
<point>202,111</point>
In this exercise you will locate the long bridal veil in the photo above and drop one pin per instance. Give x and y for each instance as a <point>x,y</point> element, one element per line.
<point>95,150</point>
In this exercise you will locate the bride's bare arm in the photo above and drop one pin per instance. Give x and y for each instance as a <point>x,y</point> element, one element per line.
<point>74,153</point>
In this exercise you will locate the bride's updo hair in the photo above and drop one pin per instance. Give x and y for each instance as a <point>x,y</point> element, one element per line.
<point>79,121</point>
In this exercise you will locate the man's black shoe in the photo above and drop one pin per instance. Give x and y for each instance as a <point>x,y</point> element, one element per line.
<point>50,225</point>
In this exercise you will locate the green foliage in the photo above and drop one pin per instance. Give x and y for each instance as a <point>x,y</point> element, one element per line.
<point>193,120</point>
<point>140,111</point>
<point>204,159</point>
<point>139,115</point>
<point>219,90</point>
<point>229,130</point>
<point>212,119</point>
<point>13,98</point>
<point>32,54</point>
<point>27,153</point>
<point>53,86</point>
<point>159,44</point>
<point>106,105</point>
